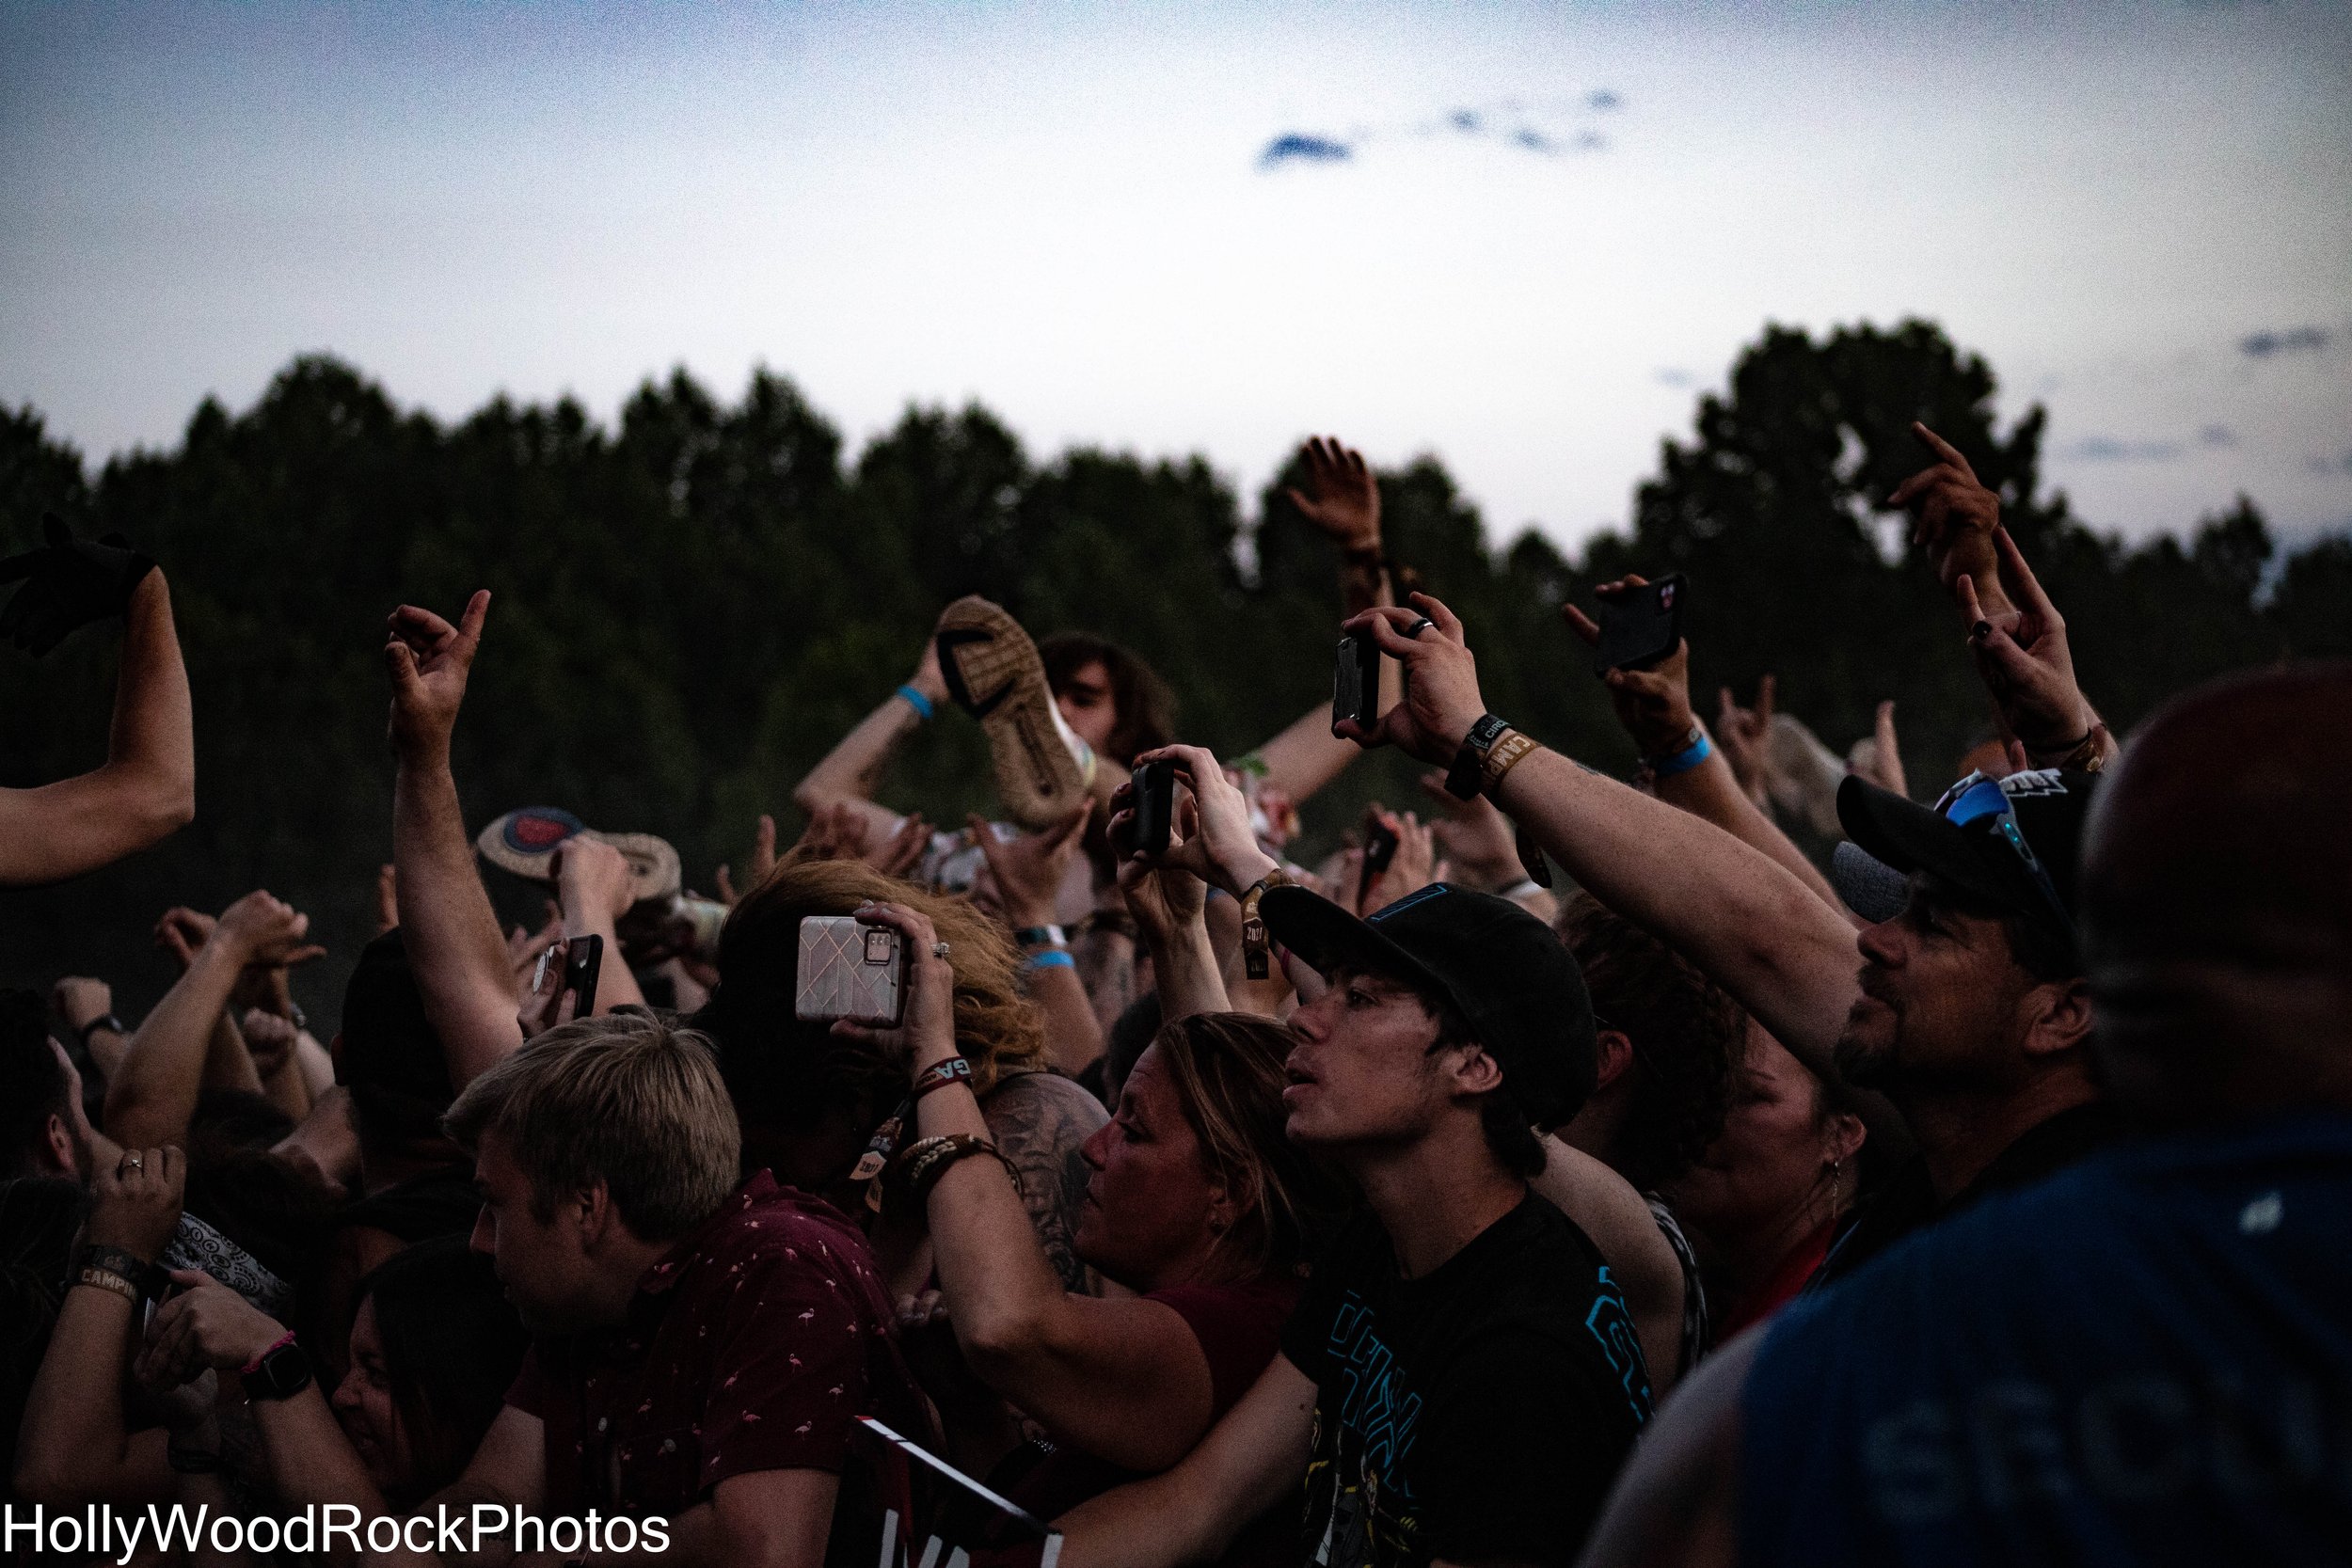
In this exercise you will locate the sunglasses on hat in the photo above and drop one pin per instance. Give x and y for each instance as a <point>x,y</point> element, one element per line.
<point>1979,797</point>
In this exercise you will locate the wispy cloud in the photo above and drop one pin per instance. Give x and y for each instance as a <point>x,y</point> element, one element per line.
<point>1553,129</point>
<point>2293,339</point>
<point>2216,436</point>
<point>1297,147</point>
<point>2333,464</point>
<point>2107,448</point>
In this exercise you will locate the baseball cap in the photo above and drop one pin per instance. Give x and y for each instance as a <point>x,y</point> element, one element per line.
<point>2013,842</point>
<point>1500,968</point>
<point>388,1055</point>
<point>524,841</point>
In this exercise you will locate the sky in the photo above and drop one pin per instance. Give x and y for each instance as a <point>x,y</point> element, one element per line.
<point>1524,239</point>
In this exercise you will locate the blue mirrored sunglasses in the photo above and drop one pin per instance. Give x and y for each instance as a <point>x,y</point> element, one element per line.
<point>1978,797</point>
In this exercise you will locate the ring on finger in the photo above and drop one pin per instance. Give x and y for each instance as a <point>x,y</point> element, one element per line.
<point>939,950</point>
<point>132,1163</point>
<point>1419,626</point>
<point>1979,632</point>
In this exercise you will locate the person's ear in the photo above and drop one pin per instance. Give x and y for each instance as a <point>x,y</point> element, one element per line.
<point>593,1219</point>
<point>2058,1017</point>
<point>1842,1135</point>
<point>1474,1071</point>
<point>1617,1055</point>
<point>58,1137</point>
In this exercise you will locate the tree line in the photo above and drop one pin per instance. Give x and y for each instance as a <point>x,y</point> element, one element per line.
<point>692,604</point>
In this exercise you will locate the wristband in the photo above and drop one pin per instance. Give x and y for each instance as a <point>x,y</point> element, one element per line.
<point>1698,749</point>
<point>1048,958</point>
<point>1041,935</point>
<point>106,1279</point>
<point>1254,946</point>
<point>1508,752</point>
<point>916,700</point>
<point>951,1070</point>
<point>108,1022</point>
<point>142,1276</point>
<point>255,1365</point>
<point>1464,780</point>
<point>279,1372</point>
<point>926,1160</point>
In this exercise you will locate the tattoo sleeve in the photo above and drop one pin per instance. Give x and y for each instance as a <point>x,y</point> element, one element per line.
<point>1039,1120</point>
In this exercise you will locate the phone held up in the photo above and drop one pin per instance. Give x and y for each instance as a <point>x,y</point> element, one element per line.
<point>1154,807</point>
<point>583,963</point>
<point>849,968</point>
<point>1356,686</point>
<point>1642,626</point>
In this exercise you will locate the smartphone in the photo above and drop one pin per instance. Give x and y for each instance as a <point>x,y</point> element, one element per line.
<point>1154,805</point>
<point>582,962</point>
<point>1356,685</point>
<point>1639,628</point>
<point>849,968</point>
<point>1379,849</point>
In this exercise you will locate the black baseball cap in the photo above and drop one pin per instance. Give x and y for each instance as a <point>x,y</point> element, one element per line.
<point>1501,969</point>
<point>1960,839</point>
<point>389,1056</point>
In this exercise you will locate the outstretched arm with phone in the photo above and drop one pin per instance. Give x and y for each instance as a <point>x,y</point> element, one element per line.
<point>1687,768</point>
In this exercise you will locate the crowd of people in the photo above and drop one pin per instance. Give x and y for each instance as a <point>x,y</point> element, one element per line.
<point>1579,1171</point>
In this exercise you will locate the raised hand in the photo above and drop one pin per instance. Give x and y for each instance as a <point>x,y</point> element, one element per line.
<point>2023,658</point>
<point>429,660</point>
<point>1029,870</point>
<point>763,860</point>
<point>1341,499</point>
<point>926,1030</point>
<point>1441,700</point>
<point>1414,865</point>
<point>1745,733</point>
<point>1476,837</point>
<point>902,851</point>
<point>269,1040</point>
<point>68,584</point>
<point>1886,764</point>
<point>1953,519</point>
<point>1653,704</point>
<point>136,1200</point>
<point>1211,836</point>
<point>265,931</point>
<point>591,876</point>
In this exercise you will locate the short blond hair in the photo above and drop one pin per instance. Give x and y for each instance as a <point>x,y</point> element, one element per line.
<point>623,1100</point>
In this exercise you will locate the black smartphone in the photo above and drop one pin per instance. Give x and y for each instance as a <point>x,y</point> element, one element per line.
<point>1379,849</point>
<point>1639,628</point>
<point>1154,807</point>
<point>582,962</point>
<point>1356,685</point>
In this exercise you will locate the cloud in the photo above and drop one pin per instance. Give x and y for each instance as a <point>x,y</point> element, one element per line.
<point>2106,448</point>
<point>1675,376</point>
<point>1297,147</point>
<point>2294,339</point>
<point>1602,99</point>
<point>1534,141</point>
<point>2333,464</point>
<point>2216,436</point>
<point>1468,122</point>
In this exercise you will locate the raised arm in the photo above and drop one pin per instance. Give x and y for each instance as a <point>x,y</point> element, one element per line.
<point>1028,872</point>
<point>1123,1379</point>
<point>451,932</point>
<point>1740,915</point>
<point>849,773</point>
<point>1210,844</point>
<point>152,1091</point>
<point>147,787</point>
<point>591,885</point>
<point>1685,766</point>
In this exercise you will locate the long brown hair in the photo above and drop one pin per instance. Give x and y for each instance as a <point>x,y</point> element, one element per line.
<point>783,1072</point>
<point>1229,1077</point>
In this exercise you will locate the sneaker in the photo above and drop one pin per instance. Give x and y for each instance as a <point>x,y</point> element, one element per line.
<point>992,671</point>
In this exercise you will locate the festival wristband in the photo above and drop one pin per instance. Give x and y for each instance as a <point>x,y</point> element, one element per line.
<point>950,1069</point>
<point>1049,958</point>
<point>1255,948</point>
<point>106,1279</point>
<point>1504,754</point>
<point>916,700</point>
<point>143,1276</point>
<point>1694,750</point>
<point>1467,777</point>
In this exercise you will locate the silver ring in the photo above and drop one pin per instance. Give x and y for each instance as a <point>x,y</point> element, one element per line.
<point>1419,626</point>
<point>135,1162</point>
<point>939,950</point>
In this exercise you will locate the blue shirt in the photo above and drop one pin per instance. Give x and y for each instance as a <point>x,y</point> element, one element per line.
<point>2147,1358</point>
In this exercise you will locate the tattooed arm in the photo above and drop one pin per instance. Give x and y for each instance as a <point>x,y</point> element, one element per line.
<point>1040,1119</point>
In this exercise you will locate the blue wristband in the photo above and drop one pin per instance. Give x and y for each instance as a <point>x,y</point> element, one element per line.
<point>1684,760</point>
<point>1052,958</point>
<point>916,700</point>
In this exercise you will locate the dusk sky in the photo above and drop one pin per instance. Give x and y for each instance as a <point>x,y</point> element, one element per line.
<point>1523,238</point>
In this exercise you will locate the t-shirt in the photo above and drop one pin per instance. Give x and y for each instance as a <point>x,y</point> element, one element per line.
<point>753,1345</point>
<point>1477,1413</point>
<point>1908,1200</point>
<point>1238,1328</point>
<point>2147,1358</point>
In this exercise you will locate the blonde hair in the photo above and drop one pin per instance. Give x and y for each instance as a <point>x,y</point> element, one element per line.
<point>623,1100</point>
<point>783,1070</point>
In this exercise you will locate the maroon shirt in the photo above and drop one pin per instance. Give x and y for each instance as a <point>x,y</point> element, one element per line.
<point>752,1345</point>
<point>1239,1328</point>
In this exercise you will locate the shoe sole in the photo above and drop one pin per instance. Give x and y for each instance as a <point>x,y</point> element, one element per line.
<point>994,674</point>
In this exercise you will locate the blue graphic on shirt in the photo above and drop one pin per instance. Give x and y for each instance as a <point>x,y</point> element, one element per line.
<point>1613,1326</point>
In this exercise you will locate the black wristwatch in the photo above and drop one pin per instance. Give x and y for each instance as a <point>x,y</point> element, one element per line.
<point>280,1374</point>
<point>1462,780</point>
<point>108,1022</point>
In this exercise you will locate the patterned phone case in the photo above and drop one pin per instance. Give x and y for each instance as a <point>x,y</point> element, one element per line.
<point>850,970</point>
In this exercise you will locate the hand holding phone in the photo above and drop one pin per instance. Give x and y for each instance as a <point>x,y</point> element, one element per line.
<point>1356,683</point>
<point>848,969</point>
<point>1380,841</point>
<point>1154,805</point>
<point>1640,626</point>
